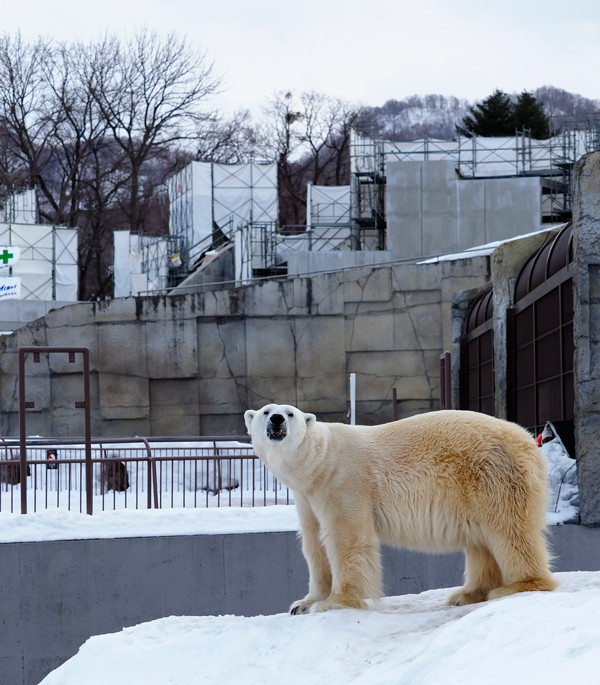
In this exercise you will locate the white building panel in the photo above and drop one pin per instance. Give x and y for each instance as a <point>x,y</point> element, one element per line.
<point>204,196</point>
<point>47,264</point>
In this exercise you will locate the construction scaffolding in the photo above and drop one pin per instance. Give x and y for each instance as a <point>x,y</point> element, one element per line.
<point>551,160</point>
<point>48,261</point>
<point>19,207</point>
<point>328,217</point>
<point>367,191</point>
<point>256,251</point>
<point>144,264</point>
<point>208,202</point>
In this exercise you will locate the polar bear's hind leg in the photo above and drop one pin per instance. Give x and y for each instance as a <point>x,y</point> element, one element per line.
<point>482,574</point>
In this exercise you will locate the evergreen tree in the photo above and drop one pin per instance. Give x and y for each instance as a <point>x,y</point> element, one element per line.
<point>529,114</point>
<point>498,116</point>
<point>490,117</point>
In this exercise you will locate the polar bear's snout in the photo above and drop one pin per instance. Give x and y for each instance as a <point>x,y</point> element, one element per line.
<point>276,427</point>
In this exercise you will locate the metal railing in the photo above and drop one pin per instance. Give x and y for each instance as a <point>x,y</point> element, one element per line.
<point>136,473</point>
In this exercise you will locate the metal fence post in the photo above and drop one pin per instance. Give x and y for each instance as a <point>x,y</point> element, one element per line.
<point>445,381</point>
<point>85,405</point>
<point>22,431</point>
<point>152,480</point>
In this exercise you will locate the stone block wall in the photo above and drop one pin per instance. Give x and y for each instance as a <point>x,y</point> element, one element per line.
<point>586,332</point>
<point>191,364</point>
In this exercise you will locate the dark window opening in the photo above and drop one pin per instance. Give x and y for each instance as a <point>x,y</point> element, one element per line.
<point>540,344</point>
<point>477,362</point>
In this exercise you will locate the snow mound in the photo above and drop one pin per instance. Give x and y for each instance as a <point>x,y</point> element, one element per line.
<point>534,637</point>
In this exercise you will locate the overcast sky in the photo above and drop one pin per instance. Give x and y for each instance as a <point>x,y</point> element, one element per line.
<point>363,51</point>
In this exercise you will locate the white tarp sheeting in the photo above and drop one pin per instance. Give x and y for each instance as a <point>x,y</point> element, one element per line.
<point>206,195</point>
<point>10,288</point>
<point>66,259</point>
<point>328,217</point>
<point>9,256</point>
<point>121,269</point>
<point>327,205</point>
<point>48,260</point>
<point>140,264</point>
<point>20,208</point>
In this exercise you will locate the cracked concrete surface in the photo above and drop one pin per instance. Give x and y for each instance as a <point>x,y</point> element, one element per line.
<point>194,366</point>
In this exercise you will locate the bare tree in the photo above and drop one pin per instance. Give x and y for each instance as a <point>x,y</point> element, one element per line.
<point>150,91</point>
<point>281,140</point>
<point>227,141</point>
<point>78,132</point>
<point>309,136</point>
<point>327,122</point>
<point>25,118</point>
<point>96,128</point>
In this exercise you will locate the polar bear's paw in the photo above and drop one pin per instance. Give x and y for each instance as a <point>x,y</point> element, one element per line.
<point>336,602</point>
<point>462,597</point>
<point>305,606</point>
<point>302,606</point>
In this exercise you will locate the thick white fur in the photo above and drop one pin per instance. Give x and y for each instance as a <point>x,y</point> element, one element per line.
<point>440,481</point>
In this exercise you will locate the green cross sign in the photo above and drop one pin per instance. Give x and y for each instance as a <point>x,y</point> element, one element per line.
<point>5,256</point>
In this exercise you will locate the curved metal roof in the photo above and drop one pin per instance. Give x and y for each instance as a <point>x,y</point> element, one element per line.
<point>553,256</point>
<point>482,310</point>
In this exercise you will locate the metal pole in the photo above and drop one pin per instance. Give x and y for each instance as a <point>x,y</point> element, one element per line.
<point>309,214</point>
<point>87,431</point>
<point>445,381</point>
<point>22,432</point>
<point>352,399</point>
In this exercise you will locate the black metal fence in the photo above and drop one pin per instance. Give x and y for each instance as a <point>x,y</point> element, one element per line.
<point>212,471</point>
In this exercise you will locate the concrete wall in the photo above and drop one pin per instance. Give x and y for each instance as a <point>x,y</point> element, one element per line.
<point>586,331</point>
<point>17,313</point>
<point>303,263</point>
<point>54,595</point>
<point>430,211</point>
<point>189,365</point>
<point>220,268</point>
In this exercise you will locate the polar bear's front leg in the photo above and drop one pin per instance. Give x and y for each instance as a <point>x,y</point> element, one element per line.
<point>353,550</point>
<point>319,584</point>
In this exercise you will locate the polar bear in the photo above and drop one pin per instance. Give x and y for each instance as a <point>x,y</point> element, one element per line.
<point>439,482</point>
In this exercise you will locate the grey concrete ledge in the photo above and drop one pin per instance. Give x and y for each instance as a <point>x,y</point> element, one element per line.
<point>54,595</point>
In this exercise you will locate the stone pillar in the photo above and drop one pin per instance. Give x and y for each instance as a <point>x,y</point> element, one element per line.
<point>507,262</point>
<point>586,331</point>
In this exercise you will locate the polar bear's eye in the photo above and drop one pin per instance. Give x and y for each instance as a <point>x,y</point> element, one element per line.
<point>266,413</point>
<point>290,414</point>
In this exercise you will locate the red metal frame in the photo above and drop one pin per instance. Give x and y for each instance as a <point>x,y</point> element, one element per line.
<point>85,405</point>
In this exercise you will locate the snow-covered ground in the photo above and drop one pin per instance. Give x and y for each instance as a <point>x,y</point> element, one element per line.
<point>409,640</point>
<point>529,638</point>
<point>59,524</point>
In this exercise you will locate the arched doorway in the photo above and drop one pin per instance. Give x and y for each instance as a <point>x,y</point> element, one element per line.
<point>540,337</point>
<point>477,357</point>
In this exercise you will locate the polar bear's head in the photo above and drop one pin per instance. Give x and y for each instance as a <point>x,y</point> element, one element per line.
<point>277,429</point>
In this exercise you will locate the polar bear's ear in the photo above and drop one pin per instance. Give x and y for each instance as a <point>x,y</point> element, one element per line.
<point>248,416</point>
<point>310,419</point>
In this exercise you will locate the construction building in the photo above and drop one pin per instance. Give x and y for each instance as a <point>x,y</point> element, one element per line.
<point>405,201</point>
